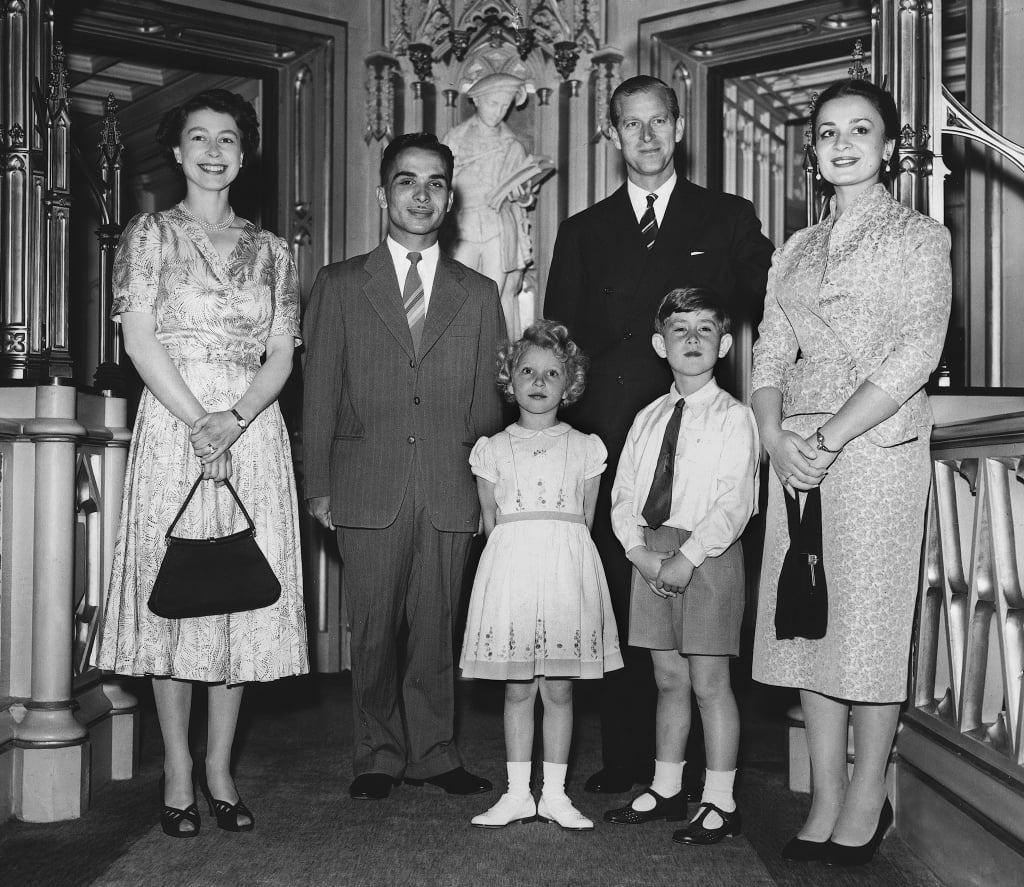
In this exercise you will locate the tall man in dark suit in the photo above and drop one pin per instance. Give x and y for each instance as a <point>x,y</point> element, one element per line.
<point>399,384</point>
<point>612,265</point>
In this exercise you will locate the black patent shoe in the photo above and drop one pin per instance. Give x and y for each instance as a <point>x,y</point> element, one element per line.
<point>230,817</point>
<point>171,818</point>
<point>799,850</point>
<point>861,854</point>
<point>455,782</point>
<point>671,809</point>
<point>611,781</point>
<point>695,832</point>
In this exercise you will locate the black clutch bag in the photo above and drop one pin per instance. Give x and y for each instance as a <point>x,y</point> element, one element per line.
<point>801,607</point>
<point>209,577</point>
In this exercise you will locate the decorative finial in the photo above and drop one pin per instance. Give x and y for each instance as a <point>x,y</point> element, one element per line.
<point>809,129</point>
<point>857,70</point>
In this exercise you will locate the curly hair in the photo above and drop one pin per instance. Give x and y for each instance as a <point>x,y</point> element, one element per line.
<point>551,336</point>
<point>168,133</point>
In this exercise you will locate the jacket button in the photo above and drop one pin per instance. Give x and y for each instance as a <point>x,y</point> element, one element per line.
<point>412,363</point>
<point>411,438</point>
<point>621,380</point>
<point>627,337</point>
<point>416,401</point>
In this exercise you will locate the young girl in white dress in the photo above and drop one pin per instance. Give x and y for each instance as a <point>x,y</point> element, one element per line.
<point>540,615</point>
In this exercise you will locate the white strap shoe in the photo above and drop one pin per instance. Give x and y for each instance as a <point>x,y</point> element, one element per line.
<point>509,809</point>
<point>560,809</point>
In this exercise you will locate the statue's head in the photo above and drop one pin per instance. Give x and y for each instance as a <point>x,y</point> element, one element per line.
<point>494,94</point>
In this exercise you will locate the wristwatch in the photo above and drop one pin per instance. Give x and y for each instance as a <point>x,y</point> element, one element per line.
<point>822,445</point>
<point>243,423</point>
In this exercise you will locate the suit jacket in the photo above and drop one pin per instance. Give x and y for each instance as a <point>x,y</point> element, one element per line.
<point>375,412</point>
<point>605,285</point>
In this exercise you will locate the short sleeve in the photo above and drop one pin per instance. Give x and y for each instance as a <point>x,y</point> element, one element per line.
<point>286,294</point>
<point>481,460</point>
<point>596,457</point>
<point>137,263</point>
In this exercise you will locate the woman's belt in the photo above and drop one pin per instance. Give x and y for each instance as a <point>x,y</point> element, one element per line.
<point>539,515</point>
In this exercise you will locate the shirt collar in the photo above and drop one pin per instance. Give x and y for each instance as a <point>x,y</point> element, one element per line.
<point>400,253</point>
<point>638,196</point>
<point>556,430</point>
<point>701,396</point>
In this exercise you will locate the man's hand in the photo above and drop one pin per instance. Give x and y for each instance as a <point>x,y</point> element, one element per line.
<point>320,508</point>
<point>675,573</point>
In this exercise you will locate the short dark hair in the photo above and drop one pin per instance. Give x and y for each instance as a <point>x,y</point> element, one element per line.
<point>882,101</point>
<point>168,133</point>
<point>551,336</point>
<point>693,298</point>
<point>642,83</point>
<point>425,141</point>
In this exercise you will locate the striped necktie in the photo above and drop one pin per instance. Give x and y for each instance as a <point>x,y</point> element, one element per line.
<point>649,222</point>
<point>658,506</point>
<point>412,299</point>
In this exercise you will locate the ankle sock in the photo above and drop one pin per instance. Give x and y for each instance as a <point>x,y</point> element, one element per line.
<point>718,785</point>
<point>554,779</point>
<point>519,777</point>
<point>668,781</point>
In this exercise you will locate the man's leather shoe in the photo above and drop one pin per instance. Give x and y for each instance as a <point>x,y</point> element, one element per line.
<point>610,781</point>
<point>455,782</point>
<point>371,786</point>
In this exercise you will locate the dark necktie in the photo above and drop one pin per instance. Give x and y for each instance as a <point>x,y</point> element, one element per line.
<point>658,506</point>
<point>649,222</point>
<point>412,297</point>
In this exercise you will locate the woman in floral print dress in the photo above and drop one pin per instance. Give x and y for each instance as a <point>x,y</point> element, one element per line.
<point>854,323</point>
<point>209,310</point>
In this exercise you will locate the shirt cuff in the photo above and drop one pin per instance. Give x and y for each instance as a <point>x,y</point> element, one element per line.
<point>693,551</point>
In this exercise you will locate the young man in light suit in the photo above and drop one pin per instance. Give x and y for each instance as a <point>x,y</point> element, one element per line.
<point>399,385</point>
<point>610,269</point>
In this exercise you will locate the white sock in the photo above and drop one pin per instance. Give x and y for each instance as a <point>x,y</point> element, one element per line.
<point>718,791</point>
<point>668,781</point>
<point>554,779</point>
<point>519,777</point>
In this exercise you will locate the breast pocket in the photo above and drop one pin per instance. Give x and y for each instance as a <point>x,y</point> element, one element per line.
<point>700,451</point>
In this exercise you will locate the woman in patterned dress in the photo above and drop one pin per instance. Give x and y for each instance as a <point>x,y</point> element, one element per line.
<point>854,323</point>
<point>208,306</point>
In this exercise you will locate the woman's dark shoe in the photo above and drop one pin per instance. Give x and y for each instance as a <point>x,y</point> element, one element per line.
<point>695,832</point>
<point>671,809</point>
<point>230,817</point>
<point>799,850</point>
<point>845,855</point>
<point>171,818</point>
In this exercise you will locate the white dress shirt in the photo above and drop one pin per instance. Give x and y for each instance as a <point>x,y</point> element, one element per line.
<point>427,267</point>
<point>715,482</point>
<point>638,198</point>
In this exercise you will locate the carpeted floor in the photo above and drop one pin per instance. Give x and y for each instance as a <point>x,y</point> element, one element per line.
<point>293,769</point>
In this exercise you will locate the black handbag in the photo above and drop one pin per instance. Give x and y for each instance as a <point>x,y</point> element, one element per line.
<point>209,577</point>
<point>801,606</point>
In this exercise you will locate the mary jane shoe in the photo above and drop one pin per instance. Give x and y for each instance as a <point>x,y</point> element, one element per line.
<point>509,809</point>
<point>696,832</point>
<point>559,809</point>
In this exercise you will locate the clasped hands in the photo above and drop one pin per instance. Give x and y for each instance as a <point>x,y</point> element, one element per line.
<point>667,573</point>
<point>797,461</point>
<point>211,437</point>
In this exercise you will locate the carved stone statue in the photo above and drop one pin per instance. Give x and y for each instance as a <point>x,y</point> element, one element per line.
<point>495,181</point>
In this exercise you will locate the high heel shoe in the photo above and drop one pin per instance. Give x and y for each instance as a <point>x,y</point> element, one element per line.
<point>171,818</point>
<point>846,855</point>
<point>228,815</point>
<point>800,850</point>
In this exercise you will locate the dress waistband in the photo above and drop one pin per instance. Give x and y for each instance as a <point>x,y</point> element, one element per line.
<point>539,515</point>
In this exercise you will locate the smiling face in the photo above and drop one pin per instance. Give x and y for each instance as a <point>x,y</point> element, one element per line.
<point>692,342</point>
<point>647,135</point>
<point>210,151</point>
<point>850,142</point>
<point>538,382</point>
<point>417,197</point>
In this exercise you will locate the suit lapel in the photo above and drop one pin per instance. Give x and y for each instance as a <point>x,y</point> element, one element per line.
<point>383,292</point>
<point>446,298</point>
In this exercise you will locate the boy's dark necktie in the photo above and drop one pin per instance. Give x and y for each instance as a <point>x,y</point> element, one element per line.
<point>412,298</point>
<point>658,506</point>
<point>649,222</point>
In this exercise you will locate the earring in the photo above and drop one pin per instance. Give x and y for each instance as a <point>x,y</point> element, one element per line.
<point>817,174</point>
<point>886,165</point>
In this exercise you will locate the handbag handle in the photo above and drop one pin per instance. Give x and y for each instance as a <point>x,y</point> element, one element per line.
<point>188,499</point>
<point>809,540</point>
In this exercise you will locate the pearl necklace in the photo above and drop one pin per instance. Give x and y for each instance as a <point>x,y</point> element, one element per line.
<point>209,226</point>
